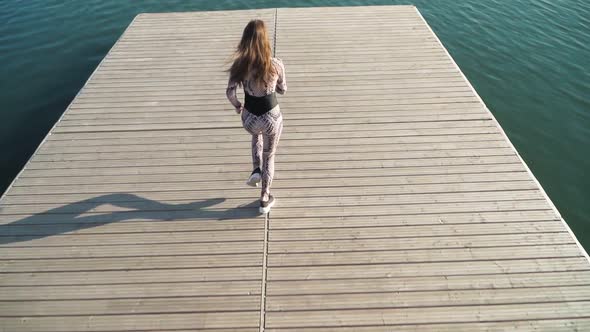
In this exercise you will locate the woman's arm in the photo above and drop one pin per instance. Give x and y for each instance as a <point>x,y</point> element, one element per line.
<point>232,96</point>
<point>282,81</point>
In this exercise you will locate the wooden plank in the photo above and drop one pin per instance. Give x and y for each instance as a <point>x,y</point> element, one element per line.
<point>428,299</point>
<point>288,222</point>
<point>141,238</point>
<point>361,257</point>
<point>369,245</point>
<point>238,291</point>
<point>133,250</point>
<point>399,316</point>
<point>130,322</point>
<point>566,324</point>
<point>427,283</point>
<point>427,269</point>
<point>410,210</point>
<point>131,306</point>
<point>133,276</point>
<point>392,232</point>
<point>130,263</point>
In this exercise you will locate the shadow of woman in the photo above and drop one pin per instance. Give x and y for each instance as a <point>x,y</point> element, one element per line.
<point>69,218</point>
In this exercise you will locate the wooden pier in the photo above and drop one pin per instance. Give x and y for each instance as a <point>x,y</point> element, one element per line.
<point>401,205</point>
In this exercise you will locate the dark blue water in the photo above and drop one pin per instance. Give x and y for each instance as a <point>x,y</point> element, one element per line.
<point>529,61</point>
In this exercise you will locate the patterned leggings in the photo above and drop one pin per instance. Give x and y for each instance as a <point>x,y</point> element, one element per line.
<point>266,132</point>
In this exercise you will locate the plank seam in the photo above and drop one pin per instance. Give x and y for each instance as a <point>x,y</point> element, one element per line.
<point>264,275</point>
<point>266,222</point>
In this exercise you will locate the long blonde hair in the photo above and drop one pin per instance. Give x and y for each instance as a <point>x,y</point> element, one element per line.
<point>253,55</point>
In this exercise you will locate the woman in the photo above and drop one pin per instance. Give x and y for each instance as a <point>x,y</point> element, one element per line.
<point>261,76</point>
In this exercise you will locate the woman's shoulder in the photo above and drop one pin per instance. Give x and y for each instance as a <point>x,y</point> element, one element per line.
<point>277,61</point>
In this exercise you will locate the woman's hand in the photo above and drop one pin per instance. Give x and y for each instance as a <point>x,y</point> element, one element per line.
<point>239,110</point>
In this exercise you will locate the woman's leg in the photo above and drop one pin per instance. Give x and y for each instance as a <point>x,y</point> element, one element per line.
<point>251,124</point>
<point>257,145</point>
<point>273,127</point>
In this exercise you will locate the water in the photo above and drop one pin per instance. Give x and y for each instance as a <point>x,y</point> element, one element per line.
<point>529,61</point>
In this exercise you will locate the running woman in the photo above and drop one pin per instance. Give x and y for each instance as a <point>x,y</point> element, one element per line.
<point>261,76</point>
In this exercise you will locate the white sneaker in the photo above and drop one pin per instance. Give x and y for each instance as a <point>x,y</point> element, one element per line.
<point>266,205</point>
<point>254,178</point>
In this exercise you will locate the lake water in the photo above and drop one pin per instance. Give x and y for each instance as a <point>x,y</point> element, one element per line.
<point>529,61</point>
